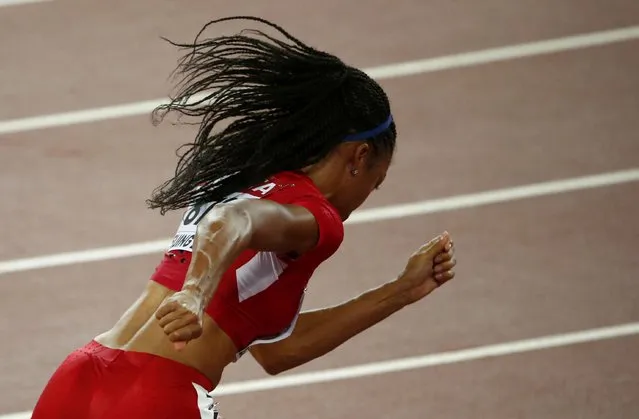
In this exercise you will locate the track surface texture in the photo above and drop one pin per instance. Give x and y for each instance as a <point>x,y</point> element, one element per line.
<point>546,265</point>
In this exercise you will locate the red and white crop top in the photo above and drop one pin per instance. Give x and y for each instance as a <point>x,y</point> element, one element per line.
<point>259,298</point>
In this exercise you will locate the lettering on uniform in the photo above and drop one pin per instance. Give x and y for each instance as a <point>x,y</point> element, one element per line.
<point>264,189</point>
<point>195,214</point>
<point>182,241</point>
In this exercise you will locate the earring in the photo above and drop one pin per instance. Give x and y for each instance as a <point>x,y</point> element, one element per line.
<point>354,172</point>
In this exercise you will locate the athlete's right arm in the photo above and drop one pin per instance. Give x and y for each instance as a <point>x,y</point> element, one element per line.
<point>222,235</point>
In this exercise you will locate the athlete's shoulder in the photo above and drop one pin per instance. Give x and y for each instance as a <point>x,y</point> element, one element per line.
<point>296,188</point>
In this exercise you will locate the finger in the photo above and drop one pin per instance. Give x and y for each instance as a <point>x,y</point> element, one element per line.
<point>171,316</point>
<point>447,254</point>
<point>179,345</point>
<point>177,313</point>
<point>443,257</point>
<point>445,266</point>
<point>186,333</point>
<point>180,322</point>
<point>436,245</point>
<point>443,277</point>
<point>166,308</point>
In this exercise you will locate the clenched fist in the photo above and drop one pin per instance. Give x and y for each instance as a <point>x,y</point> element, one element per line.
<point>429,267</point>
<point>180,316</point>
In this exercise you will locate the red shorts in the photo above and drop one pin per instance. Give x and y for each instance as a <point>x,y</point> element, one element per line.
<point>99,382</point>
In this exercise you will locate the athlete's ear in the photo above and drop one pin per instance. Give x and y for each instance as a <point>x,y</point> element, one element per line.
<point>361,155</point>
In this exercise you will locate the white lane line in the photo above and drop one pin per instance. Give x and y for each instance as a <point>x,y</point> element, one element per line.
<point>417,362</point>
<point>384,72</point>
<point>358,217</point>
<point>411,363</point>
<point>17,415</point>
<point>4,3</point>
<point>505,53</point>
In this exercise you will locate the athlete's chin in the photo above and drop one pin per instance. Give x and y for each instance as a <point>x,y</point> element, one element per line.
<point>346,211</point>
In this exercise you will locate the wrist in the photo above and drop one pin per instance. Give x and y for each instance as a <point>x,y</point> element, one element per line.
<point>196,295</point>
<point>396,295</point>
<point>193,289</point>
<point>403,291</point>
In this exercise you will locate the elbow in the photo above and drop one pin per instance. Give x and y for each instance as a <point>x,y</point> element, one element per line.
<point>277,365</point>
<point>274,363</point>
<point>273,369</point>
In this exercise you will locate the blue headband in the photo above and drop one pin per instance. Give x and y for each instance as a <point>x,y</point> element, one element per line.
<point>372,132</point>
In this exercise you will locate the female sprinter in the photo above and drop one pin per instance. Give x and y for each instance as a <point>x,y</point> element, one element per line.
<point>306,138</point>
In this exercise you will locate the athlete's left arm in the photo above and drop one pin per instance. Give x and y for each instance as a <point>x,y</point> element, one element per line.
<point>320,331</point>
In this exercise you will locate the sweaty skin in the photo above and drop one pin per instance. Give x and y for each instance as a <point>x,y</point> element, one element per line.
<point>138,330</point>
<point>215,247</point>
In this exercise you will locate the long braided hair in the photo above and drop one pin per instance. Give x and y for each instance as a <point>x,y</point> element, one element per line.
<point>284,106</point>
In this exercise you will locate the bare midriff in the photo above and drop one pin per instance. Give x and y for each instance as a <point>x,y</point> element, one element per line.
<point>138,330</point>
